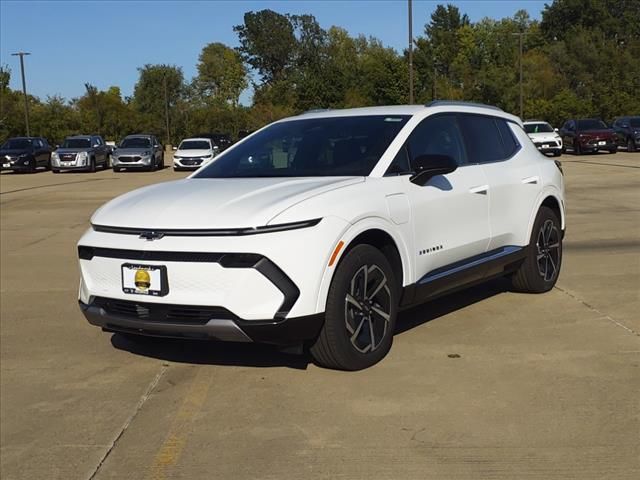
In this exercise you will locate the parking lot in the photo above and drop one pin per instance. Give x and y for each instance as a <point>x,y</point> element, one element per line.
<point>482,384</point>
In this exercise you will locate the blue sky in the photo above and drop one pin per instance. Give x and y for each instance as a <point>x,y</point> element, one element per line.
<point>104,42</point>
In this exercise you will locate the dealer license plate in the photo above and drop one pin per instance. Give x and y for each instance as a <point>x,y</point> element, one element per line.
<point>6,165</point>
<point>145,279</point>
<point>602,143</point>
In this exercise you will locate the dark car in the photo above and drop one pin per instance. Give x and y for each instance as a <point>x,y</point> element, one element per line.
<point>628,132</point>
<point>25,154</point>
<point>588,135</point>
<point>80,152</point>
<point>220,140</point>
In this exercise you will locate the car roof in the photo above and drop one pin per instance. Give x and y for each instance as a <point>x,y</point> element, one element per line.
<point>535,121</point>
<point>411,110</point>
<point>195,138</point>
<point>81,136</point>
<point>139,135</point>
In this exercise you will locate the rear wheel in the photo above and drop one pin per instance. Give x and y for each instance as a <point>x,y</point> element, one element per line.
<point>577,149</point>
<point>540,269</point>
<point>360,314</point>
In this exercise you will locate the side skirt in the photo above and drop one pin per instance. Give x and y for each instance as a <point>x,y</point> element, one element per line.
<point>463,274</point>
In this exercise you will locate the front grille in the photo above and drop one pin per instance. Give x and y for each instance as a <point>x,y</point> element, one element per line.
<point>163,313</point>
<point>67,157</point>
<point>191,162</point>
<point>129,159</point>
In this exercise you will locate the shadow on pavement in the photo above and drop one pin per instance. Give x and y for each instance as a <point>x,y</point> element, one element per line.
<point>256,355</point>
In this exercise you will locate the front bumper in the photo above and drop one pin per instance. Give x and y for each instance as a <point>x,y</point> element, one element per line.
<point>188,164</point>
<point>282,332</point>
<point>595,145</point>
<point>17,165</point>
<point>548,147</point>
<point>143,163</point>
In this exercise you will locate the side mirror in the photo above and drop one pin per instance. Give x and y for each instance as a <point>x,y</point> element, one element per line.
<point>556,130</point>
<point>174,148</point>
<point>216,148</point>
<point>429,166</point>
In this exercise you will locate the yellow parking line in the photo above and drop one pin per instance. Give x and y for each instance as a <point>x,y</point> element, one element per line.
<point>170,451</point>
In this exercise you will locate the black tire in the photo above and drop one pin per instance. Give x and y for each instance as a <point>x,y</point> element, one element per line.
<point>556,153</point>
<point>153,165</point>
<point>92,165</point>
<point>577,149</point>
<point>345,341</point>
<point>117,169</point>
<point>54,170</point>
<point>540,269</point>
<point>48,164</point>
<point>613,150</point>
<point>33,166</point>
<point>631,145</point>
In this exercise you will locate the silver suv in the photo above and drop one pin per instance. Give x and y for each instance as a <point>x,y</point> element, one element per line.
<point>142,152</point>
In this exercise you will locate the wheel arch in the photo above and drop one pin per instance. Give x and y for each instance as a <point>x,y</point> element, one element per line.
<point>548,198</point>
<point>379,234</point>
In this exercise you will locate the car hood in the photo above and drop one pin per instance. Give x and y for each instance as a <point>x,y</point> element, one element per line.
<point>597,133</point>
<point>192,153</point>
<point>14,152</point>
<point>204,203</point>
<point>131,151</point>
<point>543,136</point>
<point>72,150</point>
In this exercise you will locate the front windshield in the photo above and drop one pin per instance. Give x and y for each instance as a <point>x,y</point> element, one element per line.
<point>635,122</point>
<point>591,124</point>
<point>537,128</point>
<point>76,143</point>
<point>317,147</point>
<point>195,145</point>
<point>17,144</point>
<point>135,142</point>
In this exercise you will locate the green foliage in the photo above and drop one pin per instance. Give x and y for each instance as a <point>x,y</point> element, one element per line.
<point>581,59</point>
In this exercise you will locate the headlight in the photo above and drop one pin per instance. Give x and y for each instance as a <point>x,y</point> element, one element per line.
<point>146,154</point>
<point>207,156</point>
<point>82,156</point>
<point>176,157</point>
<point>54,156</point>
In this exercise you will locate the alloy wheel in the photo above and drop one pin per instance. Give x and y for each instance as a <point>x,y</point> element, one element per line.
<point>367,308</point>
<point>548,251</point>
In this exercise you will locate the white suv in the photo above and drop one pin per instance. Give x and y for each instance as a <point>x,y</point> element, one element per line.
<point>318,228</point>
<point>193,153</point>
<point>544,137</point>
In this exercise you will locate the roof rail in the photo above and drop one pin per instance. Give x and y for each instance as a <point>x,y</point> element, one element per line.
<point>316,110</point>
<point>444,103</point>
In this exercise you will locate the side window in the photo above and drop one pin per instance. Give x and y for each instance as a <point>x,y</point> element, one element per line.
<point>509,142</point>
<point>400,164</point>
<point>483,139</point>
<point>437,135</point>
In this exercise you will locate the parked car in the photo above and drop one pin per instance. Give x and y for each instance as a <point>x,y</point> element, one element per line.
<point>220,140</point>
<point>138,152</point>
<point>628,132</point>
<point>544,137</point>
<point>588,135</point>
<point>193,153</point>
<point>368,211</point>
<point>25,154</point>
<point>80,152</point>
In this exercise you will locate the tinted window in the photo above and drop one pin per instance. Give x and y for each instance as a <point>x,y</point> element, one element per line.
<point>194,145</point>
<point>314,147</point>
<point>537,127</point>
<point>17,144</point>
<point>509,142</point>
<point>135,142</point>
<point>483,139</point>
<point>76,143</point>
<point>635,122</point>
<point>437,135</point>
<point>591,124</point>
<point>400,164</point>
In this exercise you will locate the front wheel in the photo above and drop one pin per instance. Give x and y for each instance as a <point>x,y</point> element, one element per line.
<point>540,269</point>
<point>613,150</point>
<point>631,145</point>
<point>361,311</point>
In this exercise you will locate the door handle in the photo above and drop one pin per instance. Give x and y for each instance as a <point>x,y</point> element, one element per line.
<point>531,180</point>
<point>481,189</point>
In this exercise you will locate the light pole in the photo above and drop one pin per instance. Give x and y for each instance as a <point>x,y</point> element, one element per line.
<point>166,108</point>
<point>24,89</point>
<point>521,35</point>
<point>410,54</point>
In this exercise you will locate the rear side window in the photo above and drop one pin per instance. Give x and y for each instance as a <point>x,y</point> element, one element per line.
<point>487,139</point>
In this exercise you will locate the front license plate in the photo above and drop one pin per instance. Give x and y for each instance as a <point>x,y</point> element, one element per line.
<point>6,165</point>
<point>602,143</point>
<point>145,279</point>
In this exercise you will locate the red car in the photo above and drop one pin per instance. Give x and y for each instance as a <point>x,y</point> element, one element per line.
<point>588,135</point>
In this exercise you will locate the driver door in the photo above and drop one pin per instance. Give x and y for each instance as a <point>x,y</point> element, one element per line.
<point>451,212</point>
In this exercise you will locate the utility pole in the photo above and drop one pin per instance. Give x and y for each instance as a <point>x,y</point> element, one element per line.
<point>521,36</point>
<point>166,108</point>
<point>410,54</point>
<point>24,89</point>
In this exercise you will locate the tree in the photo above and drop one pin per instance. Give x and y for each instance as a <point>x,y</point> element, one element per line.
<point>267,43</point>
<point>221,74</point>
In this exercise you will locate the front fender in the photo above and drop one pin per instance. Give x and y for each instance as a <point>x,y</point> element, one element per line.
<point>348,235</point>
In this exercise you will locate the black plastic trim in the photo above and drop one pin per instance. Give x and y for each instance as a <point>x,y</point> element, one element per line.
<point>212,232</point>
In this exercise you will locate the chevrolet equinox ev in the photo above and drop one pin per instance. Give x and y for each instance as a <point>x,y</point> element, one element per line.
<point>317,229</point>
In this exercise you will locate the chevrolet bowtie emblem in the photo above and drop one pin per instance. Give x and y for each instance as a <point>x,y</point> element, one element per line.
<point>151,235</point>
